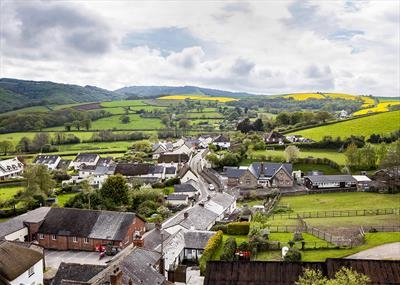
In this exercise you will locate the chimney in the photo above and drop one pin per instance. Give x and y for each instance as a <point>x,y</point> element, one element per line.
<point>185,215</point>
<point>137,240</point>
<point>262,169</point>
<point>116,277</point>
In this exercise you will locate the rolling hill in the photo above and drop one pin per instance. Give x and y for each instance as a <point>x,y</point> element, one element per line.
<point>17,94</point>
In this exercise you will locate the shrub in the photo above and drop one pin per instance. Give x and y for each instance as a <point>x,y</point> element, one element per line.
<point>220,227</point>
<point>292,255</point>
<point>298,236</point>
<point>228,253</point>
<point>210,249</point>
<point>244,246</point>
<point>238,228</point>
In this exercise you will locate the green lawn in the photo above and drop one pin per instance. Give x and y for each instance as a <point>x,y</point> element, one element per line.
<point>111,146</point>
<point>122,103</point>
<point>383,123</point>
<point>33,109</point>
<point>326,169</point>
<point>201,115</point>
<point>7,193</point>
<point>341,201</point>
<point>355,222</point>
<point>63,198</point>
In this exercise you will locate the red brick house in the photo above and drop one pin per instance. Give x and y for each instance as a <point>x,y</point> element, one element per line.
<point>77,229</point>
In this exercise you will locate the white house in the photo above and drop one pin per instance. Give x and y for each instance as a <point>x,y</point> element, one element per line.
<point>10,168</point>
<point>20,265</point>
<point>178,199</point>
<point>222,142</point>
<point>85,159</point>
<point>51,161</point>
<point>186,174</point>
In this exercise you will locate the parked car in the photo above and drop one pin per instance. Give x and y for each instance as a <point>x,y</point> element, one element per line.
<point>211,187</point>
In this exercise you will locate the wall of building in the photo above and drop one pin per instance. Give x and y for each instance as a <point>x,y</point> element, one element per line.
<point>35,279</point>
<point>18,235</point>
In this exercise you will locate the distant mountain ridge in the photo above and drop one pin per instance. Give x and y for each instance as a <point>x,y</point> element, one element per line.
<point>15,94</point>
<point>172,90</point>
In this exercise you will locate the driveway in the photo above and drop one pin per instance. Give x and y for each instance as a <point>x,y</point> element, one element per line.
<point>386,251</point>
<point>53,258</point>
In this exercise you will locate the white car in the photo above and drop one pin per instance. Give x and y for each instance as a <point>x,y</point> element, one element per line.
<point>211,187</point>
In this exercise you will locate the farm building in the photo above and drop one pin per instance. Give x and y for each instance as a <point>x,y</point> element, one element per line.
<point>330,181</point>
<point>274,137</point>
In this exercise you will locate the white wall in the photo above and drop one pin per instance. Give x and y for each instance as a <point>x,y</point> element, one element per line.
<point>34,279</point>
<point>18,235</point>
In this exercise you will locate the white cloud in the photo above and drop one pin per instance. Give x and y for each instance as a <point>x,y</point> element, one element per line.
<point>255,46</point>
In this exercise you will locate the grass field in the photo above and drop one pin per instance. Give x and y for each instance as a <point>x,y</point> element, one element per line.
<point>381,107</point>
<point>6,193</point>
<point>197,97</point>
<point>33,109</point>
<point>326,169</point>
<point>304,153</point>
<point>63,198</point>
<point>123,103</point>
<point>383,123</point>
<point>201,115</point>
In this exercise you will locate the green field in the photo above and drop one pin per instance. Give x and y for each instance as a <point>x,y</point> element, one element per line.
<point>339,158</point>
<point>6,193</point>
<point>383,123</point>
<point>33,109</point>
<point>63,198</point>
<point>123,103</point>
<point>325,169</point>
<point>201,115</point>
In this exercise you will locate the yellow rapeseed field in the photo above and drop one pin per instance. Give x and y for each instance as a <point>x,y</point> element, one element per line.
<point>381,107</point>
<point>304,96</point>
<point>197,97</point>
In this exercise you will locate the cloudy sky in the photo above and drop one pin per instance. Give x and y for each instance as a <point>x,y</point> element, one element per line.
<point>266,47</point>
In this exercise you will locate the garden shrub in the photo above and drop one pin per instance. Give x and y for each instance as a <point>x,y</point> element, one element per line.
<point>220,227</point>
<point>228,253</point>
<point>292,255</point>
<point>238,228</point>
<point>210,249</point>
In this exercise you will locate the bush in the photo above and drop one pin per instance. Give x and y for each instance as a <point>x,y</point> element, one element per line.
<point>220,227</point>
<point>228,253</point>
<point>172,181</point>
<point>292,255</point>
<point>298,236</point>
<point>238,228</point>
<point>212,245</point>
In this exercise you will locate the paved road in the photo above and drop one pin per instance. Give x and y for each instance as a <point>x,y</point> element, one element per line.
<point>53,258</point>
<point>386,251</point>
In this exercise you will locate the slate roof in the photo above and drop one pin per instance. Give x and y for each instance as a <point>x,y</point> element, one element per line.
<point>382,272</point>
<point>223,199</point>
<point>46,159</point>
<point>139,267</point>
<point>221,138</point>
<point>86,157</point>
<point>132,169</point>
<point>234,172</point>
<point>76,272</point>
<point>199,219</point>
<point>16,259</point>
<point>197,239</point>
<point>184,188</point>
<point>104,161</point>
<point>17,223</point>
<point>170,170</point>
<point>152,239</point>
<point>331,178</point>
<point>177,197</point>
<point>64,164</point>
<point>268,169</point>
<point>156,169</point>
<point>105,225</point>
<point>173,157</point>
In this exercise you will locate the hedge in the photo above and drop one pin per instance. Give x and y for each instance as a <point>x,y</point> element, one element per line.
<point>212,245</point>
<point>238,228</point>
<point>228,253</point>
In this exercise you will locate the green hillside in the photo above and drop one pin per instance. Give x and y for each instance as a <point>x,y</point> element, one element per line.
<point>383,123</point>
<point>23,93</point>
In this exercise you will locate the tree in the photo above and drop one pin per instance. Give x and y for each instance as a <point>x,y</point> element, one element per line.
<point>323,116</point>
<point>125,119</point>
<point>244,126</point>
<point>77,124</point>
<point>6,147</point>
<point>24,145</point>
<point>283,118</point>
<point>68,126</point>
<point>115,190</point>
<point>40,140</point>
<point>184,125</point>
<point>291,153</point>
<point>351,154</point>
<point>87,190</point>
<point>258,125</point>
<point>142,146</point>
<point>345,276</point>
<point>87,124</point>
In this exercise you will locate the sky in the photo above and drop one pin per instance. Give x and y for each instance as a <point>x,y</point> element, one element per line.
<point>262,47</point>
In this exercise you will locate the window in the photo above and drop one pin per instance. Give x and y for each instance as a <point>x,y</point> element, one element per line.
<point>31,271</point>
<point>53,237</point>
<point>41,236</point>
<point>74,239</point>
<point>85,240</point>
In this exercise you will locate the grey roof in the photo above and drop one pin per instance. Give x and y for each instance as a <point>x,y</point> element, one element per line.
<point>46,159</point>
<point>64,164</point>
<point>104,161</point>
<point>197,239</point>
<point>221,138</point>
<point>112,225</point>
<point>331,178</point>
<point>173,157</point>
<point>152,239</point>
<point>268,169</point>
<point>184,188</point>
<point>170,170</point>
<point>86,157</point>
<point>16,259</point>
<point>177,197</point>
<point>76,272</point>
<point>234,172</point>
<point>17,223</point>
<point>139,266</point>
<point>223,199</point>
<point>156,169</point>
<point>199,219</point>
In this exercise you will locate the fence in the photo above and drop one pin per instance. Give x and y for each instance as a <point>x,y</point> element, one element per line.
<point>342,213</point>
<point>372,229</point>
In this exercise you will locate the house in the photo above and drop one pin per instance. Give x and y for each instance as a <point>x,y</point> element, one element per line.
<point>20,264</point>
<point>23,227</point>
<point>363,182</point>
<point>177,199</point>
<point>343,114</point>
<point>266,174</point>
<point>77,229</point>
<point>187,189</point>
<point>274,137</point>
<point>222,142</point>
<point>382,272</point>
<point>85,159</point>
<point>195,243</point>
<point>75,272</point>
<point>10,168</point>
<point>64,164</point>
<point>51,161</point>
<point>170,172</point>
<point>145,171</point>
<point>161,147</point>
<point>186,174</point>
<point>173,159</point>
<point>388,177</point>
<point>222,204</point>
<point>204,142</point>
<point>330,181</point>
